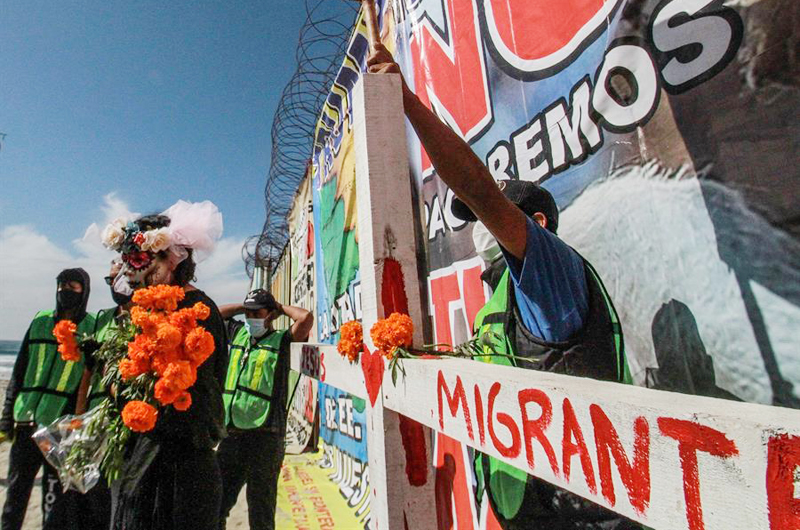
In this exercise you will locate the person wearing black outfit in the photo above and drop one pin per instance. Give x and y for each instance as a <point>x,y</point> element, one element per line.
<point>36,395</point>
<point>255,395</point>
<point>170,480</point>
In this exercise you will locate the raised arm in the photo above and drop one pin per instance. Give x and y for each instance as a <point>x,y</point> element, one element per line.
<point>230,310</point>
<point>458,166</point>
<point>302,321</point>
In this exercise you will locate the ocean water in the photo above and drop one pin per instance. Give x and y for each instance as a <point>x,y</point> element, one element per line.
<point>8,354</point>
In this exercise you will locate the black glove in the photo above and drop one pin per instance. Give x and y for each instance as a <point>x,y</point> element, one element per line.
<point>89,346</point>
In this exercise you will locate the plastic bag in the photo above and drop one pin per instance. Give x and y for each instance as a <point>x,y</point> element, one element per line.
<point>74,446</point>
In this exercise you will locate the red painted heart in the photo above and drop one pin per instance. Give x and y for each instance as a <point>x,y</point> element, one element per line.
<point>372,366</point>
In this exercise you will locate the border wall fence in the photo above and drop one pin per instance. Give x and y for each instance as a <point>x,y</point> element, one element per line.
<point>666,459</point>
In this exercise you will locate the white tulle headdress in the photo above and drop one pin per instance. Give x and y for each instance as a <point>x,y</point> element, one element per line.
<point>196,226</point>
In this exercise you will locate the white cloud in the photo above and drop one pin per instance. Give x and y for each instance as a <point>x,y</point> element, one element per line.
<point>30,262</point>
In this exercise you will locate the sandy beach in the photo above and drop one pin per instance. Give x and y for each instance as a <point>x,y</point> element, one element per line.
<point>33,517</point>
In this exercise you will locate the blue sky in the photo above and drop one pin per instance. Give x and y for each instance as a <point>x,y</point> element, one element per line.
<point>117,105</point>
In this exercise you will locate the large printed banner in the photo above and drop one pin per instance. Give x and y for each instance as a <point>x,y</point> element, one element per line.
<point>662,128</point>
<point>667,131</point>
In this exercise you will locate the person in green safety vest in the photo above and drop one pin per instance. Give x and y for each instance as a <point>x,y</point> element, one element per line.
<point>94,507</point>
<point>92,391</point>
<point>43,387</point>
<point>549,307</point>
<point>255,403</point>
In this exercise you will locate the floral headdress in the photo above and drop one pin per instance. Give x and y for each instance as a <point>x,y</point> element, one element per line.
<point>194,226</point>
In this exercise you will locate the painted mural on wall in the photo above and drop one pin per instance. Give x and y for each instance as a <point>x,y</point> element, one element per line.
<point>302,414</point>
<point>343,432</point>
<point>337,285</point>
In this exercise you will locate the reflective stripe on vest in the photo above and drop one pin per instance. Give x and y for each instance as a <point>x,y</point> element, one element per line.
<point>250,379</point>
<point>49,382</point>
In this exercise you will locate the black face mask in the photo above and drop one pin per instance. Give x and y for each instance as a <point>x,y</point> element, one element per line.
<point>119,298</point>
<point>69,299</point>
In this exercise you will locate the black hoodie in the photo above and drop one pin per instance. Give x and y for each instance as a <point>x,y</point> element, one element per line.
<point>21,364</point>
<point>74,275</point>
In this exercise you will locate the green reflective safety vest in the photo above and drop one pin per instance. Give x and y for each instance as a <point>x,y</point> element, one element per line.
<point>49,381</point>
<point>251,377</point>
<point>597,351</point>
<point>105,324</point>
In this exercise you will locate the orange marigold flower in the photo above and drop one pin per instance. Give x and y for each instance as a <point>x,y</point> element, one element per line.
<point>147,321</point>
<point>139,416</point>
<point>180,374</point>
<point>64,328</point>
<point>351,340</point>
<point>64,332</point>
<point>184,319</point>
<point>168,337</point>
<point>183,402</point>
<point>393,332</point>
<point>69,352</point>
<point>198,345</point>
<point>128,369</point>
<point>162,359</point>
<point>201,311</point>
<point>165,392</point>
<point>141,348</point>
<point>159,297</point>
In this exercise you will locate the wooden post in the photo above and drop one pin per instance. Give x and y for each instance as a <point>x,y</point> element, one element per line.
<point>386,235</point>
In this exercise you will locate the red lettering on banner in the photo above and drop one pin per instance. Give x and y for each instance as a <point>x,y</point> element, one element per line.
<point>474,296</point>
<point>458,397</point>
<point>693,437</point>
<point>508,451</point>
<point>783,459</point>
<point>444,290</point>
<point>636,476</point>
<point>572,430</point>
<point>517,29</point>
<point>535,428</point>
<point>451,287</point>
<point>452,81</point>
<point>479,414</point>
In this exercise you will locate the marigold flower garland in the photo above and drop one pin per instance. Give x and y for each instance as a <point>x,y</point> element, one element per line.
<point>169,346</point>
<point>392,333</point>
<point>64,332</point>
<point>393,337</point>
<point>151,361</point>
<point>388,335</point>
<point>351,340</point>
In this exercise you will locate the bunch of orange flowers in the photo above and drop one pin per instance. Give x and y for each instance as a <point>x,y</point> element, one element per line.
<point>64,332</point>
<point>169,344</point>
<point>351,340</point>
<point>387,334</point>
<point>391,333</point>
